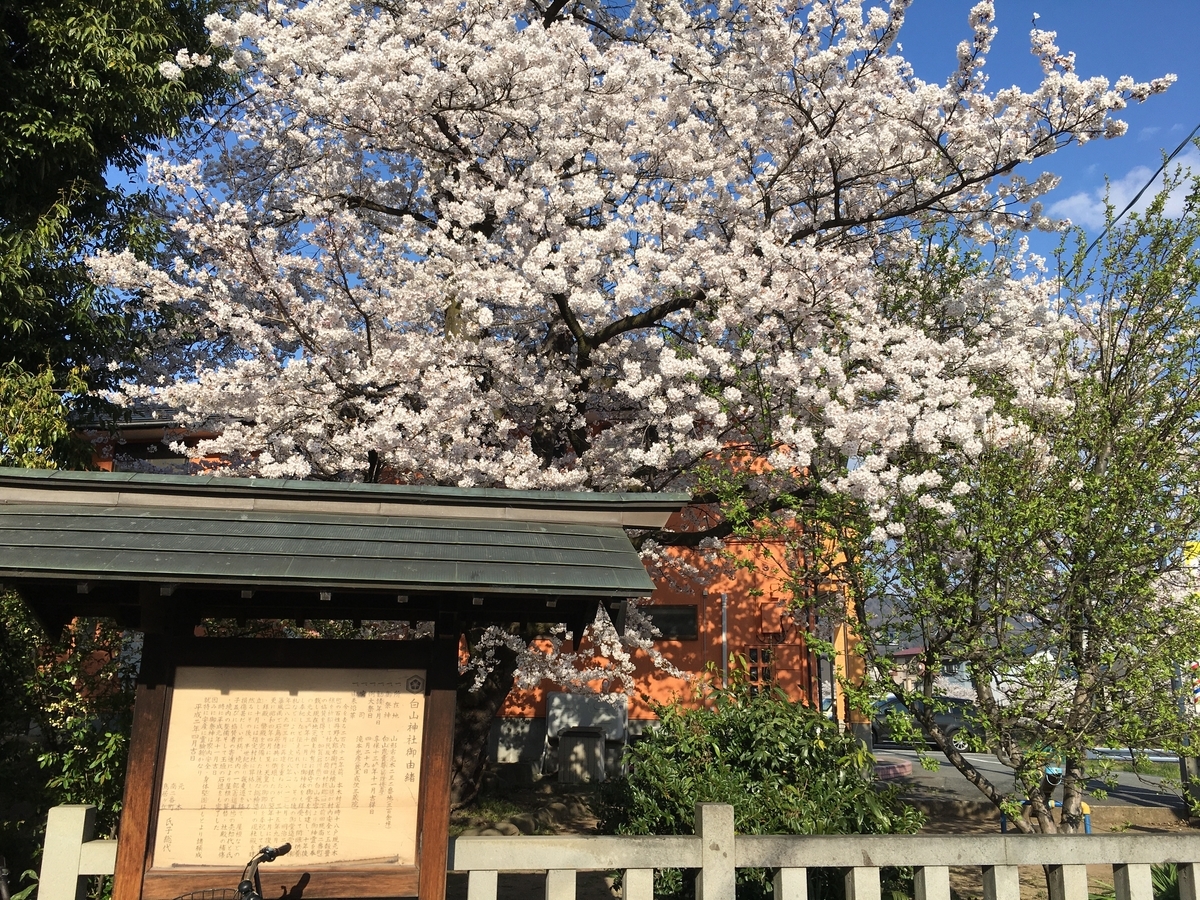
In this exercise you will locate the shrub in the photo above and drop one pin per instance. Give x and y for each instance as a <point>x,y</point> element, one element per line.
<point>785,769</point>
<point>1164,881</point>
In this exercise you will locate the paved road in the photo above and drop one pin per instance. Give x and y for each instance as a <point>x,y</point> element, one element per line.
<point>947,782</point>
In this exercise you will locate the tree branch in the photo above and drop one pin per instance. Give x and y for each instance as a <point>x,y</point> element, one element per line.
<point>353,201</point>
<point>723,529</point>
<point>646,317</point>
<point>572,323</point>
<point>552,12</point>
<point>837,222</point>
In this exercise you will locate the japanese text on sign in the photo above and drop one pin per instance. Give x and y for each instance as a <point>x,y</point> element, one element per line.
<point>328,760</point>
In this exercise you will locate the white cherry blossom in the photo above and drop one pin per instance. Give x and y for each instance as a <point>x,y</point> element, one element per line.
<point>591,246</point>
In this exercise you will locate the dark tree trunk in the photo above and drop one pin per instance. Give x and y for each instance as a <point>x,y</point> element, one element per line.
<point>473,723</point>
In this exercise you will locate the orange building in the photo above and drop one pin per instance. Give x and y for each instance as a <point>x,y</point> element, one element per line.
<point>142,442</point>
<point>740,615</point>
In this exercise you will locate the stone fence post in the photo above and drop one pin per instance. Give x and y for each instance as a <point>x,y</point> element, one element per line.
<point>70,854</point>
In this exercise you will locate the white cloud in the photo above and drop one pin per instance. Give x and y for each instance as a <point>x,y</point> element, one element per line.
<point>1147,133</point>
<point>1087,207</point>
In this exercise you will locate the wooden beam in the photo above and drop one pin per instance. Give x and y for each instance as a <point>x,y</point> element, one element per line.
<point>438,766</point>
<point>149,718</point>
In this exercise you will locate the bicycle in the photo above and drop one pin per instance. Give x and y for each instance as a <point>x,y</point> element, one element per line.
<point>249,888</point>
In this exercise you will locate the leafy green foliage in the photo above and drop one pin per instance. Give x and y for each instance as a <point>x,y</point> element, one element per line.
<point>784,767</point>
<point>1060,577</point>
<point>83,100</point>
<point>1164,881</point>
<point>34,428</point>
<point>65,715</point>
<point>26,892</point>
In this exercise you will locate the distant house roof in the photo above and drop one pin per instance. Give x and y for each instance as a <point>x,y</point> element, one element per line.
<point>269,548</point>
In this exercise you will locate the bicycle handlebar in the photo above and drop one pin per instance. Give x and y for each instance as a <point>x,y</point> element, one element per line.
<point>270,854</point>
<point>249,888</point>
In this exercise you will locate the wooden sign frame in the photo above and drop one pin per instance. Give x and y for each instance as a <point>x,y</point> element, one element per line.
<point>136,877</point>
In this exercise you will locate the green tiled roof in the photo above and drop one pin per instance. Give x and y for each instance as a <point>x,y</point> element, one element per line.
<point>333,491</point>
<point>309,535</point>
<point>261,548</point>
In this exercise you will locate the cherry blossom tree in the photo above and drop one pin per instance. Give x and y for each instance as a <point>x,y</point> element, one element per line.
<point>1057,566</point>
<point>593,246</point>
<point>587,247</point>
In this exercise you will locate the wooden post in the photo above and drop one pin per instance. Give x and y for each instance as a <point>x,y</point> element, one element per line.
<point>67,828</point>
<point>717,878</point>
<point>133,835</point>
<point>438,766</point>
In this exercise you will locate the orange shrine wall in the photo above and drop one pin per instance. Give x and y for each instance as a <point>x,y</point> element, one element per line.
<point>754,602</point>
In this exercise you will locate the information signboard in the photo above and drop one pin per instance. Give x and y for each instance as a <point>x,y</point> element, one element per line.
<point>340,748</point>
<point>328,760</point>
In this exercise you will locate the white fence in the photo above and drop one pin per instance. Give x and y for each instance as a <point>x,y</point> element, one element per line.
<point>70,854</point>
<point>715,852</point>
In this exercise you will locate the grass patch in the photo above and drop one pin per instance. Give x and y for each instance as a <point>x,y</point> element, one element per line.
<point>1144,767</point>
<point>486,811</point>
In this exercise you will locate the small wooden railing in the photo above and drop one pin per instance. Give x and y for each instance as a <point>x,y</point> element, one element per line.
<point>716,853</point>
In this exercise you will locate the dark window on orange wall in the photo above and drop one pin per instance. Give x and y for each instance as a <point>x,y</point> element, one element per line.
<point>760,675</point>
<point>677,623</point>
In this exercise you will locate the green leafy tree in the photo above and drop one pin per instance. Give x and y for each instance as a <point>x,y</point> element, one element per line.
<point>84,100</point>
<point>34,431</point>
<point>65,715</point>
<point>88,89</point>
<point>1053,562</point>
<point>784,767</point>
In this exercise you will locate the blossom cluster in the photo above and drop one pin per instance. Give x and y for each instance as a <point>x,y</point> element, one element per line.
<point>586,254</point>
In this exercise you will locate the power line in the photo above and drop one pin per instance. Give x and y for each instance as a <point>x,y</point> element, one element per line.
<point>1145,187</point>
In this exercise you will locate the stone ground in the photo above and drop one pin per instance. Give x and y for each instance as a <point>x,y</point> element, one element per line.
<point>549,808</point>
<point>543,808</point>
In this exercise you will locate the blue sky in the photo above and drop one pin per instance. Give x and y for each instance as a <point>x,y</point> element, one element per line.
<point>1141,38</point>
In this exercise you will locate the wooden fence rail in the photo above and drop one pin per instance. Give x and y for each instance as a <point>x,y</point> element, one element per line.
<point>715,853</point>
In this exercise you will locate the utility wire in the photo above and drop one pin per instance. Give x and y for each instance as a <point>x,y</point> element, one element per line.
<point>1138,195</point>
